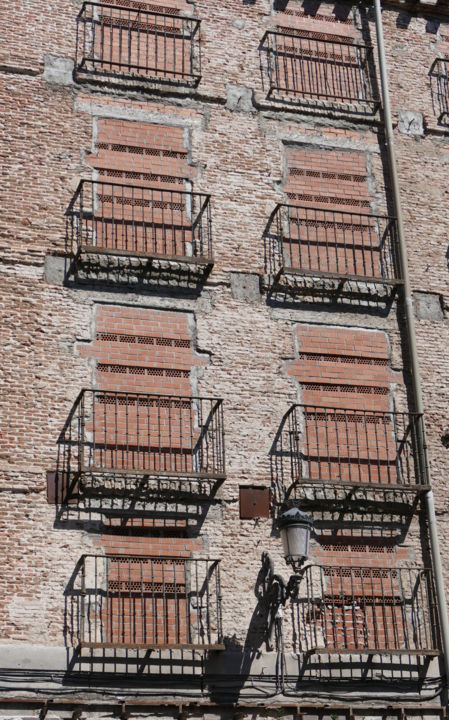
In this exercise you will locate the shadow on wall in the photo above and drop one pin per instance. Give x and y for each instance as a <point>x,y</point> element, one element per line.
<point>273,654</point>
<point>95,271</point>
<point>439,87</point>
<point>228,673</point>
<point>295,671</point>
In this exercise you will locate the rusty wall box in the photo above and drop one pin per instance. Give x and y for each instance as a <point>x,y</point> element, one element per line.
<point>254,502</point>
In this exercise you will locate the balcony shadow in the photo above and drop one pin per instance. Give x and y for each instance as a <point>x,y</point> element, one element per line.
<point>439,90</point>
<point>373,517</point>
<point>339,294</point>
<point>386,673</point>
<point>132,517</point>
<point>150,506</point>
<point>326,109</point>
<point>161,668</point>
<point>121,273</point>
<point>126,83</point>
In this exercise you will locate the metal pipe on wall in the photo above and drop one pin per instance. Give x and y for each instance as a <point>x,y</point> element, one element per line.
<point>411,335</point>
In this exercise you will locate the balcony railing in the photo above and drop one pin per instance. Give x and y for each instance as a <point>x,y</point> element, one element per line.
<point>365,448</point>
<point>126,220</point>
<point>122,42</point>
<point>440,86</point>
<point>135,602</point>
<point>314,70</point>
<point>366,610</point>
<point>330,243</point>
<point>141,434</point>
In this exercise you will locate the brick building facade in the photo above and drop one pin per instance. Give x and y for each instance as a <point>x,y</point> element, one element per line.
<point>205,323</point>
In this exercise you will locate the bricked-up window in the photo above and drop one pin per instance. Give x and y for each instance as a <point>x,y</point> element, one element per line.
<point>326,228</point>
<point>343,432</point>
<point>343,367</point>
<point>143,427</point>
<point>133,220</point>
<point>140,205</point>
<point>316,69</point>
<point>149,154</point>
<point>126,41</point>
<point>439,74</point>
<point>144,434</point>
<point>366,610</point>
<point>137,349</point>
<point>133,601</point>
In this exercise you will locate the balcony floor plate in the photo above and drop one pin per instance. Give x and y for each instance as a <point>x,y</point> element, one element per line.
<point>150,646</point>
<point>185,259</point>
<point>162,475</point>
<point>414,488</point>
<point>336,276</point>
<point>372,651</point>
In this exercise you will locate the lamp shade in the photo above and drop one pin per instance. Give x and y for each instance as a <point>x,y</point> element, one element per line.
<point>295,526</point>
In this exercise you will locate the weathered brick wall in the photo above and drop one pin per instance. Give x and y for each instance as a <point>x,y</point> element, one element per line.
<point>224,342</point>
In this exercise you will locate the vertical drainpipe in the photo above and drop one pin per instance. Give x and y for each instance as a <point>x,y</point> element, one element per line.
<point>411,338</point>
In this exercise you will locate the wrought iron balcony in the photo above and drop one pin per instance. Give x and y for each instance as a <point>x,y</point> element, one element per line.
<point>135,602</point>
<point>330,243</point>
<point>366,610</point>
<point>137,434</point>
<point>125,220</point>
<point>440,87</point>
<point>364,448</point>
<point>315,71</point>
<point>123,43</point>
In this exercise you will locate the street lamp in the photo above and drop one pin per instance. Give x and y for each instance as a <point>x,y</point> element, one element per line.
<point>295,526</point>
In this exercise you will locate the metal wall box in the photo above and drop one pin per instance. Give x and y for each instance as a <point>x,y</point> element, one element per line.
<point>57,490</point>
<point>254,502</point>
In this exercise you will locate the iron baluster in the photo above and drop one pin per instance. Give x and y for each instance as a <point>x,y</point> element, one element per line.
<point>338,440</point>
